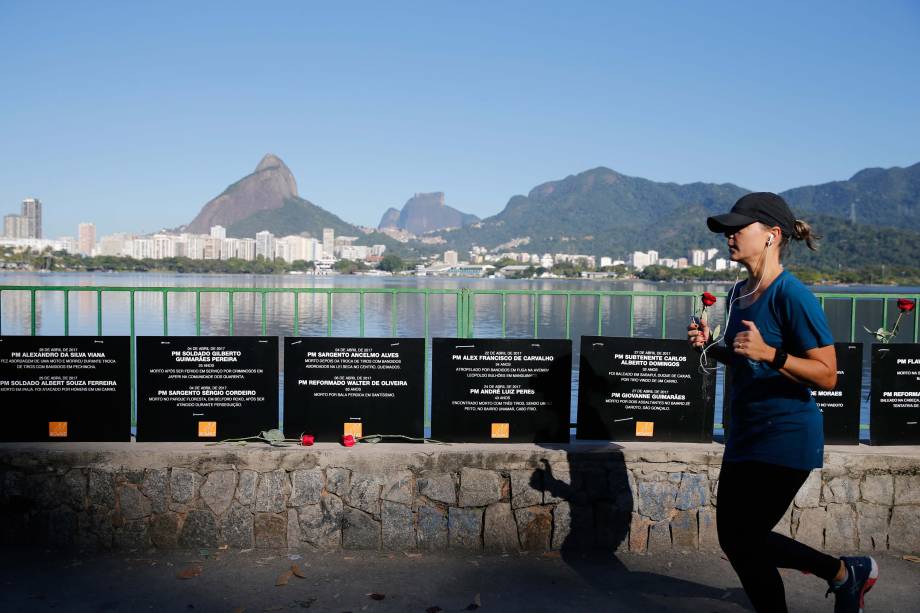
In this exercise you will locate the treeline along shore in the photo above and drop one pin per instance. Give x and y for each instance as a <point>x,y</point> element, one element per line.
<point>65,262</point>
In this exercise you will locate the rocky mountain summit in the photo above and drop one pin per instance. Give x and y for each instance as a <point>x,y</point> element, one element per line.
<point>266,188</point>
<point>425,212</point>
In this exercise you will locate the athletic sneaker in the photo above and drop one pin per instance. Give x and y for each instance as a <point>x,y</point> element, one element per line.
<point>862,573</point>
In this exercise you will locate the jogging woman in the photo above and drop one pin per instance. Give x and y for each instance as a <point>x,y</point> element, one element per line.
<point>779,348</point>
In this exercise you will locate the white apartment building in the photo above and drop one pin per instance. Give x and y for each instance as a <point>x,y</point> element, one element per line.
<point>639,260</point>
<point>328,243</point>
<point>142,248</point>
<point>212,248</point>
<point>265,244</point>
<point>247,249</point>
<point>354,252</point>
<point>584,260</point>
<point>86,237</point>
<point>294,247</point>
<point>118,245</point>
<point>229,248</point>
<point>162,246</point>
<point>450,257</point>
<point>697,257</point>
<point>194,246</point>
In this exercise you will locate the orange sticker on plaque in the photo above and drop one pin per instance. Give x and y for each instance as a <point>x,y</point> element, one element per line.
<point>501,430</point>
<point>57,429</point>
<point>354,428</point>
<point>645,428</point>
<point>207,429</point>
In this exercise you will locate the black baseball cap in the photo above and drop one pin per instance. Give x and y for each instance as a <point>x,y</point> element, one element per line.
<point>765,207</point>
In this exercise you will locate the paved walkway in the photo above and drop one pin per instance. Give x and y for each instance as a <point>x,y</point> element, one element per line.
<point>35,580</point>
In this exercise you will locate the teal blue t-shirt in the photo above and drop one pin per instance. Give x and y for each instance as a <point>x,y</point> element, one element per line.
<point>774,419</point>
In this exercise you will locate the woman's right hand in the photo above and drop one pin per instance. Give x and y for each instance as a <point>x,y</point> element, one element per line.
<point>698,335</point>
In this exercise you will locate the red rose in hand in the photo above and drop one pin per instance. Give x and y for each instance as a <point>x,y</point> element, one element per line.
<point>348,440</point>
<point>905,305</point>
<point>306,440</point>
<point>708,299</point>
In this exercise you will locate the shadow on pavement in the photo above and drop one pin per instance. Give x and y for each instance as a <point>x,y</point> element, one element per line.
<point>592,521</point>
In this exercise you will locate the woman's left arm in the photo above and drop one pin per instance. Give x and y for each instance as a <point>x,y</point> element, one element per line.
<point>817,368</point>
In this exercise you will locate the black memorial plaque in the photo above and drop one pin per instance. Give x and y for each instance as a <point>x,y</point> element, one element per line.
<point>359,386</point>
<point>65,388</point>
<point>501,390</point>
<point>840,406</point>
<point>206,388</point>
<point>643,389</point>
<point>894,406</point>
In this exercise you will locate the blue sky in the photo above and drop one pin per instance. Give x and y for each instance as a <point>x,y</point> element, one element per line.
<point>133,115</point>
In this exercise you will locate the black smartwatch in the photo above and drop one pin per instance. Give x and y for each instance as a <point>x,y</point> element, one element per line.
<point>779,360</point>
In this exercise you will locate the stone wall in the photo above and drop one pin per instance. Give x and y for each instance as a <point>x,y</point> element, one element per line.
<point>638,497</point>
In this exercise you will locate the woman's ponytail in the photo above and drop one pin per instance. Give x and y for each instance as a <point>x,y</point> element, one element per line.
<point>803,232</point>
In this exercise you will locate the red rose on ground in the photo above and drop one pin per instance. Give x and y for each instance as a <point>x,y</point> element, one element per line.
<point>306,440</point>
<point>905,305</point>
<point>708,299</point>
<point>348,440</point>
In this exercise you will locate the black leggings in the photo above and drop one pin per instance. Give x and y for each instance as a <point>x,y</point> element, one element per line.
<point>752,498</point>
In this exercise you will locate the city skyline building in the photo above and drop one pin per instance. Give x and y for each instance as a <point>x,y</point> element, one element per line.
<point>86,237</point>
<point>32,217</point>
<point>265,244</point>
<point>328,243</point>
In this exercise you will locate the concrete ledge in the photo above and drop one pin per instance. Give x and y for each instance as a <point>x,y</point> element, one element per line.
<point>638,497</point>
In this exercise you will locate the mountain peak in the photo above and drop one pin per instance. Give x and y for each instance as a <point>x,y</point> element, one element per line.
<point>424,212</point>
<point>270,160</point>
<point>267,188</point>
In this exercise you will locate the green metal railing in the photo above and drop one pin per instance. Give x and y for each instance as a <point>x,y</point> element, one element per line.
<point>465,308</point>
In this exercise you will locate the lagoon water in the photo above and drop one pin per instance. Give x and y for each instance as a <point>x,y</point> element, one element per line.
<point>15,309</point>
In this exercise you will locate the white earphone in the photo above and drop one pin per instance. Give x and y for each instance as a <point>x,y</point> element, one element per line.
<point>770,240</point>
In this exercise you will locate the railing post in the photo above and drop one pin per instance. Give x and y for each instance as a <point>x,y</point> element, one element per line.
<point>197,312</point>
<point>393,311</point>
<point>600,316</point>
<point>536,315</point>
<point>99,312</point>
<point>133,359</point>
<point>427,370</point>
<point>32,308</point>
<point>664,316</point>
<point>632,315</point>
<point>459,305</point>
<point>329,313</point>
<point>361,313</point>
<point>885,313</point>
<point>165,312</point>
<point>470,314</point>
<point>264,314</point>
<point>853,319</point>
<point>462,313</point>
<point>916,320</point>
<point>568,316</point>
<point>230,311</point>
<point>504,314</point>
<point>66,312</point>
<point>296,313</point>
